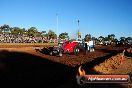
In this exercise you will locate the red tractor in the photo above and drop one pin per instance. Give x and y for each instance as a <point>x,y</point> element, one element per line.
<point>69,47</point>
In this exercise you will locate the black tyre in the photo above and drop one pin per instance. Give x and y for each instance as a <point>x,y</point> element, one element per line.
<point>91,49</point>
<point>76,50</point>
<point>86,48</point>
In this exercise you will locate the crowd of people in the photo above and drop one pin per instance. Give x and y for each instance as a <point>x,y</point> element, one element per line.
<point>22,38</point>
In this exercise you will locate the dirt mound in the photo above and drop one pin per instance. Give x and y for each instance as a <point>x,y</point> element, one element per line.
<point>114,66</point>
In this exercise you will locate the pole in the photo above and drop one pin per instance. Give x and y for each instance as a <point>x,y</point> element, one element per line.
<point>78,24</point>
<point>78,30</point>
<point>79,35</point>
<point>57,26</point>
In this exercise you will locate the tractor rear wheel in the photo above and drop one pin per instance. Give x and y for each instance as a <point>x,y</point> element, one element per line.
<point>76,50</point>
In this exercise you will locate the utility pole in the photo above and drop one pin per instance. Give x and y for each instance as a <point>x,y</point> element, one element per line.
<point>79,34</point>
<point>78,28</point>
<point>57,26</point>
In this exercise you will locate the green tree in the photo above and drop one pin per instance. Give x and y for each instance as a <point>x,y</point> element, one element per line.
<point>32,31</point>
<point>93,38</point>
<point>51,35</point>
<point>44,34</point>
<point>122,40</point>
<point>64,36</point>
<point>5,28</point>
<point>111,37</point>
<point>116,40</point>
<point>106,39</point>
<point>87,37</point>
<point>128,39</point>
<point>17,30</point>
<point>101,38</point>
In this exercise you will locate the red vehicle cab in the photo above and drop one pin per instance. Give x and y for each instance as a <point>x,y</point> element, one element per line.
<point>69,47</point>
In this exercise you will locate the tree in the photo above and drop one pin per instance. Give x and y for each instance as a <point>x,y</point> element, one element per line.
<point>38,34</point>
<point>106,39</point>
<point>32,31</point>
<point>116,40</point>
<point>17,30</point>
<point>111,37</point>
<point>122,40</point>
<point>51,35</point>
<point>101,38</point>
<point>64,36</point>
<point>87,37</point>
<point>93,38</point>
<point>43,32</point>
<point>5,28</point>
<point>128,39</point>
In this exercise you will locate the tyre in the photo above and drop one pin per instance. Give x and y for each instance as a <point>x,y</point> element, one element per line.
<point>76,50</point>
<point>91,49</point>
<point>86,48</point>
<point>86,52</point>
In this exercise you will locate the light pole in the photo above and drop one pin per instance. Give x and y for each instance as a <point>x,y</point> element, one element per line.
<point>79,34</point>
<point>57,26</point>
<point>78,28</point>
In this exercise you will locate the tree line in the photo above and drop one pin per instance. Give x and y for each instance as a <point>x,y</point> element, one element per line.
<point>33,31</point>
<point>109,39</point>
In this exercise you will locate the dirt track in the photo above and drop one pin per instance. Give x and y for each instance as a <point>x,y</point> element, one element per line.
<point>30,66</point>
<point>67,59</point>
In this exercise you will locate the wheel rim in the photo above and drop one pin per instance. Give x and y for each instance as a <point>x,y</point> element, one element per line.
<point>51,53</point>
<point>77,51</point>
<point>60,54</point>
